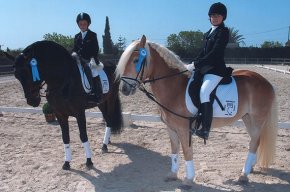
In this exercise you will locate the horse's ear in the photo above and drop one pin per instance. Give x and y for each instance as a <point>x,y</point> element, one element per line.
<point>10,57</point>
<point>142,42</point>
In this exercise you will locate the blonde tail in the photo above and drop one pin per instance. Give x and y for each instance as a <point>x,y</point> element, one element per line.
<point>267,145</point>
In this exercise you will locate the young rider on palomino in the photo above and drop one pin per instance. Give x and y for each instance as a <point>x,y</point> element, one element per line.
<point>210,63</point>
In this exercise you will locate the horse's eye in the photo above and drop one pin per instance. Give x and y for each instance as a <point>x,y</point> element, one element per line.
<point>136,61</point>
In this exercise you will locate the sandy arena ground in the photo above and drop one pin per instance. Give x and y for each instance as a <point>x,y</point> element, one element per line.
<point>31,151</point>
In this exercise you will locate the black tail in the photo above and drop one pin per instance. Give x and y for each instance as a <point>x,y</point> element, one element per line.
<point>116,123</point>
<point>111,108</point>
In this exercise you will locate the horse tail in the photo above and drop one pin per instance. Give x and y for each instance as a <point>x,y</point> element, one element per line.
<point>267,145</point>
<point>111,108</point>
<point>117,118</point>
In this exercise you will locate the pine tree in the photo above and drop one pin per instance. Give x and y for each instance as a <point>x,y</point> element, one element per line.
<point>121,45</point>
<point>107,41</point>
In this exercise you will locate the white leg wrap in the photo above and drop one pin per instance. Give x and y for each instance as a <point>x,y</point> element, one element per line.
<point>107,135</point>
<point>88,152</point>
<point>250,162</point>
<point>174,163</point>
<point>189,170</point>
<point>67,152</point>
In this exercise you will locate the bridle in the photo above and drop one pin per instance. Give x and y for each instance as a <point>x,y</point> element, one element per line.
<point>28,65</point>
<point>140,64</point>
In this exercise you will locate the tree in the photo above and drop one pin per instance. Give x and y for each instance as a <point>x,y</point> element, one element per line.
<point>186,43</point>
<point>13,52</point>
<point>107,41</point>
<point>235,38</point>
<point>121,44</point>
<point>65,41</point>
<point>271,44</point>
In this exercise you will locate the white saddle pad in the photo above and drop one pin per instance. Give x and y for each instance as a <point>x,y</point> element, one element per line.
<point>103,77</point>
<point>228,96</point>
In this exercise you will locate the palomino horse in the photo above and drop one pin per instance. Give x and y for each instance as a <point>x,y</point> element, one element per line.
<point>146,62</point>
<point>48,61</point>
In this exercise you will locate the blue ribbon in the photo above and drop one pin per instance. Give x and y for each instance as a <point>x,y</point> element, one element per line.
<point>35,74</point>
<point>142,56</point>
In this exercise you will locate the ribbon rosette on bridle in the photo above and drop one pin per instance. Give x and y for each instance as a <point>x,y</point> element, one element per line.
<point>142,56</point>
<point>35,74</point>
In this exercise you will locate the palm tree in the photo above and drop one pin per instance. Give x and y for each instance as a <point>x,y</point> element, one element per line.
<point>235,38</point>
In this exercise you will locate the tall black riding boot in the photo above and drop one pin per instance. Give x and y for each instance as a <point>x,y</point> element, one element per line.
<point>97,88</point>
<point>206,119</point>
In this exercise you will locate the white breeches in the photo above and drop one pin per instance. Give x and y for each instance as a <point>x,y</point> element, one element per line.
<point>209,83</point>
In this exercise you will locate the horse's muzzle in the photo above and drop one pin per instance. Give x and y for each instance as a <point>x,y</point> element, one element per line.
<point>33,101</point>
<point>128,88</point>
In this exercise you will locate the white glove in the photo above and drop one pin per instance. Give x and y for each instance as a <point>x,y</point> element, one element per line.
<point>189,67</point>
<point>93,63</point>
<point>76,57</point>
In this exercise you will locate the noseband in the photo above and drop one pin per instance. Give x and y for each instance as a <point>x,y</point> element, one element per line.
<point>139,67</point>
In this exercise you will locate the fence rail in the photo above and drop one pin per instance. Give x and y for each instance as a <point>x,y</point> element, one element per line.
<point>265,61</point>
<point>272,61</point>
<point>6,69</point>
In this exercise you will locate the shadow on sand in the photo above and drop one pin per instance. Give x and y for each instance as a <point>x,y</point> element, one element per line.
<point>147,170</point>
<point>271,186</point>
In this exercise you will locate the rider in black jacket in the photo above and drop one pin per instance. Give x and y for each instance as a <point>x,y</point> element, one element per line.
<point>210,63</point>
<point>87,47</point>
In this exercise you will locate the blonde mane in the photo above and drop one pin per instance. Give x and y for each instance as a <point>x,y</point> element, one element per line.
<point>170,58</point>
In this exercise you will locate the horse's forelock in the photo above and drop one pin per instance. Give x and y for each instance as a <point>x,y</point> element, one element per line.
<point>125,58</point>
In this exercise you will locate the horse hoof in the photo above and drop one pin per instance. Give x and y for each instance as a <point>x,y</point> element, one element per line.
<point>171,177</point>
<point>186,185</point>
<point>243,179</point>
<point>104,148</point>
<point>252,170</point>
<point>66,166</point>
<point>89,163</point>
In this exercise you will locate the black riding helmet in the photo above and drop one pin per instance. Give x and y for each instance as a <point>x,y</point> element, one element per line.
<point>218,8</point>
<point>84,16</point>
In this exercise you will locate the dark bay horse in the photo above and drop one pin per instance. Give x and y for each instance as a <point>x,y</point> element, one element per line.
<point>46,61</point>
<point>149,62</point>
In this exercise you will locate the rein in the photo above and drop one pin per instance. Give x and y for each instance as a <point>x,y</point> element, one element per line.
<point>190,119</point>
